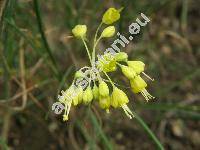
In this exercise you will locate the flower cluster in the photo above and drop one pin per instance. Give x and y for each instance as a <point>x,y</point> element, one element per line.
<point>89,85</point>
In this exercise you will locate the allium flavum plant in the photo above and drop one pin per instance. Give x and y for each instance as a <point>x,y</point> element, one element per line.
<point>90,85</point>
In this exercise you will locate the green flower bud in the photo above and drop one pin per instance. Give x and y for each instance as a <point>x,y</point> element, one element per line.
<point>79,74</point>
<point>95,92</point>
<point>103,89</point>
<point>108,32</point>
<point>79,31</point>
<point>104,103</point>
<point>138,66</point>
<point>138,84</point>
<point>121,56</point>
<point>87,95</point>
<point>128,72</point>
<point>111,16</point>
<point>118,98</point>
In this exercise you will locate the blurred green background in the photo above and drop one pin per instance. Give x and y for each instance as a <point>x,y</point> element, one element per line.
<point>39,58</point>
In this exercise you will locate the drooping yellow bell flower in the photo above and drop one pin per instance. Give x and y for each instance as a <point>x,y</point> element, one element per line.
<point>128,72</point>
<point>138,66</point>
<point>87,95</point>
<point>104,103</point>
<point>103,89</point>
<point>95,91</point>
<point>138,85</point>
<point>120,99</point>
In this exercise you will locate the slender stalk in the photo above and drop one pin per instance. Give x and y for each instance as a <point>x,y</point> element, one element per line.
<point>94,49</point>
<point>148,130</point>
<point>105,140</point>
<point>95,42</point>
<point>95,37</point>
<point>88,52</point>
<point>109,79</point>
<point>41,29</point>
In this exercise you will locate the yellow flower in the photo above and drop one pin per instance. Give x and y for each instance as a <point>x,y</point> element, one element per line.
<point>103,89</point>
<point>87,95</point>
<point>95,91</point>
<point>108,32</point>
<point>120,99</point>
<point>107,63</point>
<point>121,56</point>
<point>111,16</point>
<point>104,103</point>
<point>128,72</point>
<point>139,85</point>
<point>79,31</point>
<point>138,66</point>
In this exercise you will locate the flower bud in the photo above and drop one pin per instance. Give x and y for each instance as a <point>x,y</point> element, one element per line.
<point>80,94</point>
<point>138,84</point>
<point>79,31</point>
<point>104,103</point>
<point>75,100</point>
<point>138,66</point>
<point>108,32</point>
<point>121,56</point>
<point>118,98</point>
<point>128,72</point>
<point>95,92</point>
<point>87,95</point>
<point>103,89</point>
<point>79,74</point>
<point>111,16</point>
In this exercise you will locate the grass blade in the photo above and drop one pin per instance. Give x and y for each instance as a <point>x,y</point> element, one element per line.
<point>148,130</point>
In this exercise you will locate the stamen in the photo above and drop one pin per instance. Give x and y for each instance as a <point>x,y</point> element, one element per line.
<point>146,95</point>
<point>152,79</point>
<point>127,111</point>
<point>67,109</point>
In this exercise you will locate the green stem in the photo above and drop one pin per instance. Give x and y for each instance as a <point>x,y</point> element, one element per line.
<point>95,42</point>
<point>94,49</point>
<point>88,52</point>
<point>41,29</point>
<point>109,79</point>
<point>148,130</point>
<point>95,37</point>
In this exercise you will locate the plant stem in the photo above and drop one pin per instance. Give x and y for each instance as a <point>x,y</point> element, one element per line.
<point>95,42</point>
<point>88,52</point>
<point>148,130</point>
<point>94,49</point>
<point>109,79</point>
<point>41,29</point>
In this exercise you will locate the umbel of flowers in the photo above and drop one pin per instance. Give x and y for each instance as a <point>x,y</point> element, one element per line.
<point>89,85</point>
